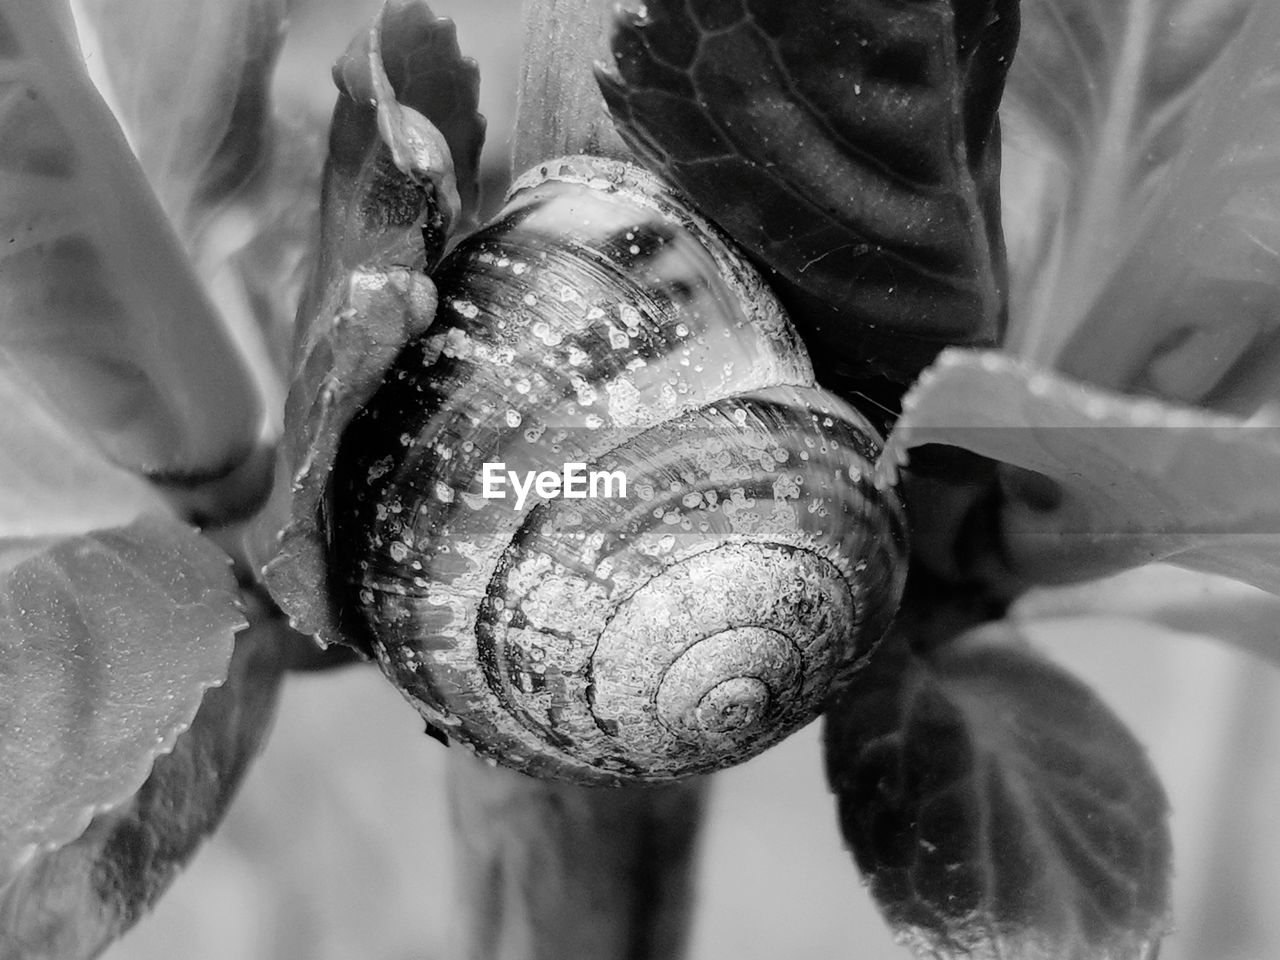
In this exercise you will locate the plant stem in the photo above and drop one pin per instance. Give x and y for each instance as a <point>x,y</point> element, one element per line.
<point>553,871</point>
<point>559,109</point>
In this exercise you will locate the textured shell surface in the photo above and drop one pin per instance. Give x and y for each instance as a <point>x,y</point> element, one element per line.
<point>672,630</point>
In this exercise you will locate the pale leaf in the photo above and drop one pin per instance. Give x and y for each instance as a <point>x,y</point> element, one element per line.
<point>1134,480</point>
<point>103,315</point>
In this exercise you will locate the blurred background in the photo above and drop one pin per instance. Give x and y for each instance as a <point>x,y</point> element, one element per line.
<point>338,845</point>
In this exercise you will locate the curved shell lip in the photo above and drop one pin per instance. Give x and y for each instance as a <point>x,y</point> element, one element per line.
<point>636,185</point>
<point>599,173</point>
<point>629,181</point>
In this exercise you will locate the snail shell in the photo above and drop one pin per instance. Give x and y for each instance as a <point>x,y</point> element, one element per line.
<point>680,628</point>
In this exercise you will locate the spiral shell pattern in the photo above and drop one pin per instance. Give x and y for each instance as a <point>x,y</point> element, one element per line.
<point>678,628</point>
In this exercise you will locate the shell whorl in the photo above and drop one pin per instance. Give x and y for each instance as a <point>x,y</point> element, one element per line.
<point>677,629</point>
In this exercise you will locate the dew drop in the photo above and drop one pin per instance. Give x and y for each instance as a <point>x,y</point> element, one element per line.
<point>379,468</point>
<point>542,330</point>
<point>630,318</point>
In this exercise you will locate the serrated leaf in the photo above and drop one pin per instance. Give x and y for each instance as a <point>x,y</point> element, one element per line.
<point>103,315</point>
<point>1133,480</point>
<point>1142,166</point>
<point>69,903</point>
<point>404,144</point>
<point>388,183</point>
<point>997,807</point>
<point>108,640</point>
<point>850,147</point>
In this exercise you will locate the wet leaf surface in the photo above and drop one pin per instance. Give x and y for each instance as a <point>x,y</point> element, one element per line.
<point>852,149</point>
<point>109,640</point>
<point>115,617</point>
<point>69,903</point>
<point>997,807</point>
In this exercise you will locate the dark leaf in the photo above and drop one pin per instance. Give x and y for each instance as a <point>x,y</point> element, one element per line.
<point>103,316</point>
<point>389,181</point>
<point>404,144</point>
<point>849,146</point>
<point>998,809</point>
<point>69,903</point>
